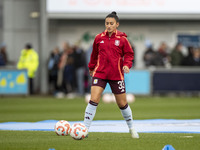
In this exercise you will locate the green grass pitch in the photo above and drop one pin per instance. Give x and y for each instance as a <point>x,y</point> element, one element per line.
<point>32,109</point>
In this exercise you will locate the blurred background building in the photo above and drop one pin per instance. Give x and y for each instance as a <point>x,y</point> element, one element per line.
<point>48,23</point>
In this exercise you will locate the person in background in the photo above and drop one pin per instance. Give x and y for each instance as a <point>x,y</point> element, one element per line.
<point>79,66</point>
<point>65,80</point>
<point>189,57</point>
<point>53,70</point>
<point>69,74</point>
<point>149,54</point>
<point>29,60</point>
<point>196,57</point>
<point>193,59</point>
<point>162,57</point>
<point>3,55</point>
<point>61,66</point>
<point>89,79</point>
<point>176,55</point>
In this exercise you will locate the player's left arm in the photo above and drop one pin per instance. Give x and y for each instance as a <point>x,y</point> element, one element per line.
<point>128,55</point>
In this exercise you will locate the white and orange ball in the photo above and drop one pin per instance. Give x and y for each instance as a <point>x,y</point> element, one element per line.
<point>78,131</point>
<point>107,98</point>
<point>62,127</point>
<point>130,98</point>
<point>87,98</point>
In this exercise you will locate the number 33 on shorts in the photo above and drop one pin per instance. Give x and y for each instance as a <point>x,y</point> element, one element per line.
<point>121,85</point>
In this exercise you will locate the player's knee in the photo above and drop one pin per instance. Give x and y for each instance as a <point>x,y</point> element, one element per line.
<point>95,100</point>
<point>122,105</point>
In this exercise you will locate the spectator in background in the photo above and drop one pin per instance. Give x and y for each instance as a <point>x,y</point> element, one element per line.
<point>62,63</point>
<point>3,55</point>
<point>65,80</point>
<point>162,57</point>
<point>149,55</point>
<point>89,79</point>
<point>176,55</point>
<point>80,65</point>
<point>29,60</point>
<point>134,51</point>
<point>193,59</point>
<point>189,57</point>
<point>68,74</point>
<point>196,57</point>
<point>53,69</point>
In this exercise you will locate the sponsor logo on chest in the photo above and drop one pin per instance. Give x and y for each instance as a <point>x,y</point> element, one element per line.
<point>117,42</point>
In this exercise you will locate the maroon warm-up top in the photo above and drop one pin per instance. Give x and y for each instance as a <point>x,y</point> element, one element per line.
<point>109,55</point>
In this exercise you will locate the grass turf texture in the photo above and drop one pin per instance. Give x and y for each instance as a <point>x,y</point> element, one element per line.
<point>38,140</point>
<point>31,109</point>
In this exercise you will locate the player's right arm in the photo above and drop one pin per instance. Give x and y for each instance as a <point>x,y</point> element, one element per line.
<point>94,57</point>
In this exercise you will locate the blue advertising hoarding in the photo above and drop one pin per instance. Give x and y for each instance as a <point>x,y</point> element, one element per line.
<point>164,82</point>
<point>13,82</point>
<point>136,82</point>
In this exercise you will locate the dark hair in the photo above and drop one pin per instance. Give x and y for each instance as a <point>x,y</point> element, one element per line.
<point>28,46</point>
<point>113,15</point>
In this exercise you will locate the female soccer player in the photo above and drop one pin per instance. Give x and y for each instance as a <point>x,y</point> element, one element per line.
<point>111,57</point>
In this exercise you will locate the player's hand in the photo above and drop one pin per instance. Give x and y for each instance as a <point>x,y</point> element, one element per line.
<point>126,69</point>
<point>91,72</point>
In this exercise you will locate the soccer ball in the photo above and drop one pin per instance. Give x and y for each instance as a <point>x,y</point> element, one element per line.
<point>78,131</point>
<point>87,98</point>
<point>130,98</point>
<point>62,127</point>
<point>108,98</point>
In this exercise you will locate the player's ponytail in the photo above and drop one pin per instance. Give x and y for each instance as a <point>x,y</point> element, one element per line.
<point>113,15</point>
